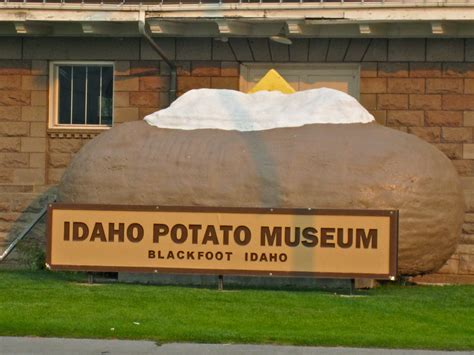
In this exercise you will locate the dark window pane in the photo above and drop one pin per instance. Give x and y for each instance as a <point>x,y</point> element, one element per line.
<point>78,95</point>
<point>107,91</point>
<point>93,95</point>
<point>64,104</point>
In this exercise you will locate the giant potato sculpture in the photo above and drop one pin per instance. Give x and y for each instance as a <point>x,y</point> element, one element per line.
<point>341,166</point>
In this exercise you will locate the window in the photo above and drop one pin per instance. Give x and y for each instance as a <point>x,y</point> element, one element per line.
<point>81,95</point>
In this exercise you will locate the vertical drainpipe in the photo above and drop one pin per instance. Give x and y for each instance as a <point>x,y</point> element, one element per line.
<point>145,33</point>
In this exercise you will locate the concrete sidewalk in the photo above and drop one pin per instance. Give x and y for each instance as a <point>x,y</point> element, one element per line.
<point>56,346</point>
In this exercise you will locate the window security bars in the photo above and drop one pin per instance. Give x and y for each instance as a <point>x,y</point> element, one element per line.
<point>84,95</point>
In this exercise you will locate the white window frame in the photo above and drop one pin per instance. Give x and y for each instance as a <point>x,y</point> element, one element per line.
<point>54,93</point>
<point>335,69</point>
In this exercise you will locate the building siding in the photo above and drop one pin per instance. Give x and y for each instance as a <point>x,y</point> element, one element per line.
<point>423,87</point>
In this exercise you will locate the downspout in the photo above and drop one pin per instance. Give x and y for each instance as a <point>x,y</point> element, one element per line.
<point>142,27</point>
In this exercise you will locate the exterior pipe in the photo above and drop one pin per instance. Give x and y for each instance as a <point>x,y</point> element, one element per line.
<point>173,76</point>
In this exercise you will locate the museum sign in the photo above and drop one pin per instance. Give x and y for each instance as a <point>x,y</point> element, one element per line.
<point>239,241</point>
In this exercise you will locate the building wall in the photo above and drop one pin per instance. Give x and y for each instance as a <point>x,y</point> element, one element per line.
<point>421,86</point>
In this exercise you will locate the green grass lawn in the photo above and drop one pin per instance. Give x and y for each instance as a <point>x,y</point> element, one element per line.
<point>62,305</point>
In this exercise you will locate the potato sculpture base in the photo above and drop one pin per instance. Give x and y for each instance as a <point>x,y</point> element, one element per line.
<point>340,166</point>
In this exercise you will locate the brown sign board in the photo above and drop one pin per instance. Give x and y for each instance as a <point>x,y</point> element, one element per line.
<point>214,240</point>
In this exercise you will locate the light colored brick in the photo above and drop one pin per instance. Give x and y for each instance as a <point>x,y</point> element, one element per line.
<point>10,113</point>
<point>59,160</point>
<point>468,151</point>
<point>458,102</point>
<point>469,86</point>
<point>34,113</point>
<point>122,99</point>
<point>126,83</point>
<point>428,134</point>
<point>183,68</point>
<point>425,70</point>
<point>393,70</point>
<point>231,83</point>
<point>67,145</point>
<point>14,129</point>
<point>405,118</point>
<point>39,98</point>
<point>144,99</point>
<point>6,176</point>
<point>38,160</point>
<point>38,129</point>
<point>122,67</point>
<point>55,175</point>
<point>143,68</point>
<point>465,167</point>
<point>230,69</point>
<point>444,118</point>
<point>406,50</point>
<point>444,86</point>
<point>28,176</point>
<point>189,83</point>
<point>205,68</point>
<point>451,150</point>
<point>425,102</point>
<point>39,67</point>
<point>13,160</point>
<point>34,82</point>
<point>145,111</point>
<point>368,70</point>
<point>469,217</point>
<point>33,145</point>
<point>10,82</point>
<point>406,86</point>
<point>468,118</point>
<point>380,116</point>
<point>450,267</point>
<point>15,98</point>
<point>445,50</point>
<point>458,70</point>
<point>154,83</point>
<point>392,101</point>
<point>369,101</point>
<point>10,144</point>
<point>14,67</point>
<point>126,114</point>
<point>457,134</point>
<point>373,85</point>
<point>466,264</point>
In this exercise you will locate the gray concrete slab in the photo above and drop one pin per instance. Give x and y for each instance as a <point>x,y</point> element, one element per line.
<point>56,346</point>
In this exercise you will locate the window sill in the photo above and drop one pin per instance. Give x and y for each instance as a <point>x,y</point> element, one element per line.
<point>75,132</point>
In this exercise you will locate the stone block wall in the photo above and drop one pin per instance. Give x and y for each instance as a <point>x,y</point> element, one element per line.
<point>424,87</point>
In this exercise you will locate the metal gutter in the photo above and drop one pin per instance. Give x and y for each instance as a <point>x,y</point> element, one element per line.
<point>142,27</point>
